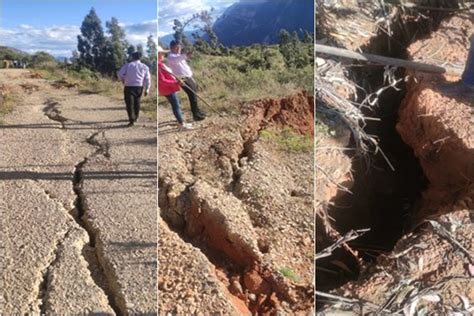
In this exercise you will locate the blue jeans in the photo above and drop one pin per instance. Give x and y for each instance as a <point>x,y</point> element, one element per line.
<point>468,75</point>
<point>174,100</point>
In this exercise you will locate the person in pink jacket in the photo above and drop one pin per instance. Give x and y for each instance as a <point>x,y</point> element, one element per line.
<point>168,87</point>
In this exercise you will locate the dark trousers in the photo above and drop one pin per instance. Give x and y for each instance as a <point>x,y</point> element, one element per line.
<point>132,96</point>
<point>192,95</point>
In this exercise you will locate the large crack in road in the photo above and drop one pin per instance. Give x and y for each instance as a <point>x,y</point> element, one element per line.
<point>79,214</point>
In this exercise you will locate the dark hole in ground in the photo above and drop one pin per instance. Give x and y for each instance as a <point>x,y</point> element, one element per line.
<point>382,199</point>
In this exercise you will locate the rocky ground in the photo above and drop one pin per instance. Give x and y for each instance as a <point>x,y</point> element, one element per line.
<point>236,213</point>
<point>78,206</point>
<point>430,269</point>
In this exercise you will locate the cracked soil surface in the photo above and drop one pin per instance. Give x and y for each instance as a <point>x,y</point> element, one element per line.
<point>78,207</point>
<point>236,213</point>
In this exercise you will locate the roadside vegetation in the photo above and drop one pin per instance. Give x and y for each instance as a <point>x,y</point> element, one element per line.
<point>228,76</point>
<point>7,101</point>
<point>287,140</point>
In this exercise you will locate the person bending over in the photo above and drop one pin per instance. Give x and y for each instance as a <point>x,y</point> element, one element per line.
<point>168,86</point>
<point>178,64</point>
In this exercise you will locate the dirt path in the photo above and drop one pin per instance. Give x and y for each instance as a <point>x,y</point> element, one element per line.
<point>78,207</point>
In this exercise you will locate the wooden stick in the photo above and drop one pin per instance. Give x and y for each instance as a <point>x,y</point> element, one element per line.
<point>344,53</point>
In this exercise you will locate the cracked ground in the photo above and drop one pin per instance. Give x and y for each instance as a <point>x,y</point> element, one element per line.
<point>78,208</point>
<point>236,213</point>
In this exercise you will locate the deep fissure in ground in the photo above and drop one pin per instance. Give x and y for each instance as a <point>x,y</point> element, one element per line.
<point>232,263</point>
<point>101,277</point>
<point>382,200</point>
<point>78,213</point>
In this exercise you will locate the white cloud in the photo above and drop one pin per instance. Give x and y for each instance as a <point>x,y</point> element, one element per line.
<point>169,10</point>
<point>137,33</point>
<point>57,40</point>
<point>62,40</point>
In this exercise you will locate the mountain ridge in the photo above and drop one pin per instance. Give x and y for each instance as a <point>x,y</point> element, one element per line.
<point>249,22</point>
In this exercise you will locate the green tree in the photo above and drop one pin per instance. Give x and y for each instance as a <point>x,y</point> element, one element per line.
<point>92,42</point>
<point>151,48</point>
<point>152,52</point>
<point>285,44</point>
<point>297,53</point>
<point>201,21</point>
<point>179,35</point>
<point>308,38</point>
<point>42,59</point>
<point>116,44</point>
<point>130,50</point>
<point>140,49</point>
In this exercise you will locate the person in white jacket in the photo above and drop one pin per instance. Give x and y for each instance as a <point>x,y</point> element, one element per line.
<point>178,64</point>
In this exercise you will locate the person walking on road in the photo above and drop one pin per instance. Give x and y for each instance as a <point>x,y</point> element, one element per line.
<point>136,78</point>
<point>168,86</point>
<point>179,66</point>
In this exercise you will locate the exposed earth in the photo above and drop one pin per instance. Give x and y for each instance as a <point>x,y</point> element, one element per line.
<point>417,257</point>
<point>236,213</point>
<point>78,207</point>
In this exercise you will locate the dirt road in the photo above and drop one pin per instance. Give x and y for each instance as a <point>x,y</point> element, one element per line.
<point>78,204</point>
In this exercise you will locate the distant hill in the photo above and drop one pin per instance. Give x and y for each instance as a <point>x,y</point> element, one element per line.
<point>61,58</point>
<point>12,53</point>
<point>260,21</point>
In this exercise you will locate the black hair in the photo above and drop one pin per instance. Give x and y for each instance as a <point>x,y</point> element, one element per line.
<point>174,43</point>
<point>136,56</point>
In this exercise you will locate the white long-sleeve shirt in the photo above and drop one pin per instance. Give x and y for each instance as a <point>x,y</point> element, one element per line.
<point>179,66</point>
<point>135,74</point>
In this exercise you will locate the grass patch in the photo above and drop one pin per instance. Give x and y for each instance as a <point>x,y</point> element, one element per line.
<point>288,140</point>
<point>254,73</point>
<point>321,131</point>
<point>288,273</point>
<point>7,102</point>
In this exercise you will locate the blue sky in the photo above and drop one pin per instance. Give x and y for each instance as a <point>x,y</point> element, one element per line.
<point>168,10</point>
<point>53,25</point>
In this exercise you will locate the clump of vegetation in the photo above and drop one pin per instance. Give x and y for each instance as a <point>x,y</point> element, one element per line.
<point>288,140</point>
<point>320,129</point>
<point>7,100</point>
<point>248,73</point>
<point>289,273</point>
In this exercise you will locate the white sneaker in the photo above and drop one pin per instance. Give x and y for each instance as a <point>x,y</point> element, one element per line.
<point>186,126</point>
